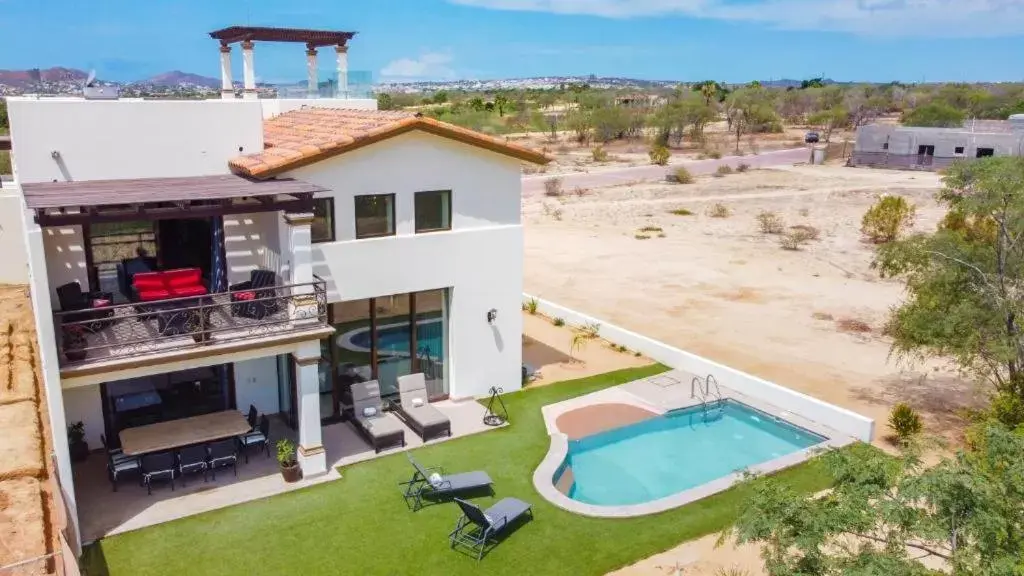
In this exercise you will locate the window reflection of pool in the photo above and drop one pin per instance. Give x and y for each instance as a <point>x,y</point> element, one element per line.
<point>393,339</point>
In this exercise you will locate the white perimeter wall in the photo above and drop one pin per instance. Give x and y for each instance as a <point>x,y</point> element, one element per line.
<point>116,139</point>
<point>274,107</point>
<point>12,237</point>
<point>840,419</point>
<point>480,259</point>
<point>253,241</point>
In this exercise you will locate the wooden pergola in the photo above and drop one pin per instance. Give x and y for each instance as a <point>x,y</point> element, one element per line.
<point>311,38</point>
<point>68,203</point>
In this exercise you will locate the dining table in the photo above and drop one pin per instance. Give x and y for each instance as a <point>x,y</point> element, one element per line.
<point>173,434</point>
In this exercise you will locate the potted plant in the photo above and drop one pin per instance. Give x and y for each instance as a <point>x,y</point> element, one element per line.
<point>76,442</point>
<point>74,343</point>
<point>290,470</point>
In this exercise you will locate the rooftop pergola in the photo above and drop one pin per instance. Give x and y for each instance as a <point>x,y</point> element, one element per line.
<point>247,35</point>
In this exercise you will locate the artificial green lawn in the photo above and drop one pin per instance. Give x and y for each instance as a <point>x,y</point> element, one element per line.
<point>360,524</point>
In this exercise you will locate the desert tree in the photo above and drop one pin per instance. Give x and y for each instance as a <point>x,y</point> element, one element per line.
<point>965,282</point>
<point>934,114</point>
<point>829,120</point>
<point>501,103</point>
<point>384,102</point>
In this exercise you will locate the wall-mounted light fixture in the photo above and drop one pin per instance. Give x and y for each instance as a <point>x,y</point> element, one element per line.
<point>492,315</point>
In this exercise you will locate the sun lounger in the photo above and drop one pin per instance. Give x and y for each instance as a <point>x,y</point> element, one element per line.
<point>477,527</point>
<point>426,420</point>
<point>434,483</point>
<point>381,429</point>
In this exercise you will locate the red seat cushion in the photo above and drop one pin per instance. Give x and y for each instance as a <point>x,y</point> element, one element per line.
<point>182,291</point>
<point>153,294</point>
<point>100,303</point>
<point>183,277</point>
<point>247,295</point>
<point>148,281</point>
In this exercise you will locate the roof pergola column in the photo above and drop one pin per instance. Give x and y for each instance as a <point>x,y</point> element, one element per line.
<point>248,71</point>
<point>342,52</point>
<point>311,71</point>
<point>227,86</point>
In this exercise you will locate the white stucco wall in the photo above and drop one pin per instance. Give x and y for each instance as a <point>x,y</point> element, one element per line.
<point>480,259</point>
<point>252,241</point>
<point>85,405</point>
<point>12,237</point>
<point>275,106</point>
<point>99,140</point>
<point>256,384</point>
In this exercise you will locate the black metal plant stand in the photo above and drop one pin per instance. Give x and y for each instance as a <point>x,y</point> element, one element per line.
<point>492,417</point>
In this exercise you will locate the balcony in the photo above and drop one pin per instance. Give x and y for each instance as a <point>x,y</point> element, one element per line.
<point>111,337</point>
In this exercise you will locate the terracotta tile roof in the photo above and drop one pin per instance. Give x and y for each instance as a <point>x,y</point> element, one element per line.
<point>308,135</point>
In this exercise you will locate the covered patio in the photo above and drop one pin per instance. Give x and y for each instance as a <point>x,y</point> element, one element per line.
<point>103,512</point>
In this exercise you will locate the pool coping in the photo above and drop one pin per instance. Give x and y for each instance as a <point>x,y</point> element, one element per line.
<point>544,474</point>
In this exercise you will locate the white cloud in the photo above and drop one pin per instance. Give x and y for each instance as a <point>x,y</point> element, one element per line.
<point>920,18</point>
<point>429,65</point>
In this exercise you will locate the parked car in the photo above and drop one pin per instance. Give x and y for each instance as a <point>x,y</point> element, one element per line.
<point>812,137</point>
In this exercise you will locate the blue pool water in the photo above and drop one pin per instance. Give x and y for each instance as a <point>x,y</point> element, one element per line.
<point>396,338</point>
<point>661,456</point>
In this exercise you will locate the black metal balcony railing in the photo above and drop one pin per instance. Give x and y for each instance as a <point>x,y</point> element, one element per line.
<point>143,328</point>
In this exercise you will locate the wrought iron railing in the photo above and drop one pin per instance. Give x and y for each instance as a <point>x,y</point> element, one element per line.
<point>141,328</point>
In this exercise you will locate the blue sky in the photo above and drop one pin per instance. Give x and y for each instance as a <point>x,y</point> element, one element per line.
<point>689,40</point>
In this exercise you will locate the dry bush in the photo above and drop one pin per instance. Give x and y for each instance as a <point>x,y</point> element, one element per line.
<point>719,210</point>
<point>794,239</point>
<point>742,167</point>
<point>599,154</point>
<point>723,170</point>
<point>651,229</point>
<point>714,154</point>
<point>812,232</point>
<point>822,316</point>
<point>581,191</point>
<point>853,326</point>
<point>641,236</point>
<point>804,212</point>
<point>770,222</point>
<point>530,169</point>
<point>563,149</point>
<point>553,187</point>
<point>683,176</point>
<point>887,219</point>
<point>659,155</point>
<point>681,212</point>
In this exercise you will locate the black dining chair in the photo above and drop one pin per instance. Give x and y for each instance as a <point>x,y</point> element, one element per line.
<point>222,454</point>
<point>260,438</point>
<point>120,465</point>
<point>252,417</point>
<point>157,466</point>
<point>192,459</point>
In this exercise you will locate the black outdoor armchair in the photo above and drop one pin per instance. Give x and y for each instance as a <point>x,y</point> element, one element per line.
<point>95,307</point>
<point>255,298</point>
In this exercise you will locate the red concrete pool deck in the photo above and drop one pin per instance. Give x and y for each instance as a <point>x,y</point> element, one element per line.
<point>590,420</point>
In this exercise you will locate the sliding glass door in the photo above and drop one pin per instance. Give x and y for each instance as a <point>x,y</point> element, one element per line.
<point>387,337</point>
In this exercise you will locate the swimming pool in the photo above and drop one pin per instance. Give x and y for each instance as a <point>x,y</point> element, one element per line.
<point>683,449</point>
<point>394,338</point>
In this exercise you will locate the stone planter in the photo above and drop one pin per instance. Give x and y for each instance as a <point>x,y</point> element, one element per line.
<point>291,473</point>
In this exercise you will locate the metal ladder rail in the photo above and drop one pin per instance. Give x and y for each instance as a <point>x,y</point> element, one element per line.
<point>696,386</point>
<point>717,392</point>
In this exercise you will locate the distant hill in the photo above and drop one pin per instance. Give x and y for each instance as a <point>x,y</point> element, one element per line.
<point>177,77</point>
<point>23,78</point>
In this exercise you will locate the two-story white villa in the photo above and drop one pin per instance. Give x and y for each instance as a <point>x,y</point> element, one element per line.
<point>195,257</point>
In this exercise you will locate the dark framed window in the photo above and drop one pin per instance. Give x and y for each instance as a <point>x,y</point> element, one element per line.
<point>885,146</point>
<point>433,211</point>
<point>958,150</point>
<point>322,228</point>
<point>375,215</point>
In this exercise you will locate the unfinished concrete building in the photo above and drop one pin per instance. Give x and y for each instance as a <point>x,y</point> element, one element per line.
<point>916,148</point>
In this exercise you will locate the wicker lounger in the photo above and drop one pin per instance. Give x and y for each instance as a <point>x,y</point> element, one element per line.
<point>426,420</point>
<point>381,430</point>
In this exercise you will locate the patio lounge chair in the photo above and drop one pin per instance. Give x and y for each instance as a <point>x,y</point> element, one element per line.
<point>477,527</point>
<point>380,429</point>
<point>415,409</point>
<point>424,483</point>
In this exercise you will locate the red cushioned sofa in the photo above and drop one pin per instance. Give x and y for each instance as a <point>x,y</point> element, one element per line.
<point>180,283</point>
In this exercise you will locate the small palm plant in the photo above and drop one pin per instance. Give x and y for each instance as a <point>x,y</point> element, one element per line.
<point>905,422</point>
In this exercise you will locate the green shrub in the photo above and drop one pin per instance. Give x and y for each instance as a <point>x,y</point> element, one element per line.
<point>889,217</point>
<point>641,236</point>
<point>714,154</point>
<point>770,222</point>
<point>599,154</point>
<point>286,452</point>
<point>681,212</point>
<point>558,322</point>
<point>651,229</point>
<point>659,155</point>
<point>719,210</point>
<point>531,306</point>
<point>723,170</point>
<point>683,176</point>
<point>905,422</point>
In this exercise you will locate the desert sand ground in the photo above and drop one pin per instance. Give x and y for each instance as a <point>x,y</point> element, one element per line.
<point>720,288</point>
<point>548,350</point>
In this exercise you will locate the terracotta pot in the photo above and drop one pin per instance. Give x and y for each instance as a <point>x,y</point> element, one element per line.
<point>291,473</point>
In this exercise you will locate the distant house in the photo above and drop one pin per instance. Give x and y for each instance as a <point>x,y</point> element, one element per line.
<point>640,100</point>
<point>917,148</point>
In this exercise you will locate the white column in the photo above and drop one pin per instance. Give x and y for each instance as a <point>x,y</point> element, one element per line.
<point>227,87</point>
<point>342,71</point>
<point>248,71</point>
<point>311,72</point>
<point>311,454</point>
<point>303,305</point>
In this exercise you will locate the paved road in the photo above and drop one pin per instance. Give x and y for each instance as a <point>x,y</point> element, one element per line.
<point>600,178</point>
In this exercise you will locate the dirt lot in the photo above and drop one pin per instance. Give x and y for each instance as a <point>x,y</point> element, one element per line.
<point>808,319</point>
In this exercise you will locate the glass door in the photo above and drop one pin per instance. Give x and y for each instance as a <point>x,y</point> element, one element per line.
<point>431,342</point>
<point>286,389</point>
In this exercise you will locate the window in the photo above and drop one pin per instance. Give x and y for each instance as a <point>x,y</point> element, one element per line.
<point>322,228</point>
<point>885,146</point>
<point>433,211</point>
<point>986,152</point>
<point>958,150</point>
<point>375,215</point>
